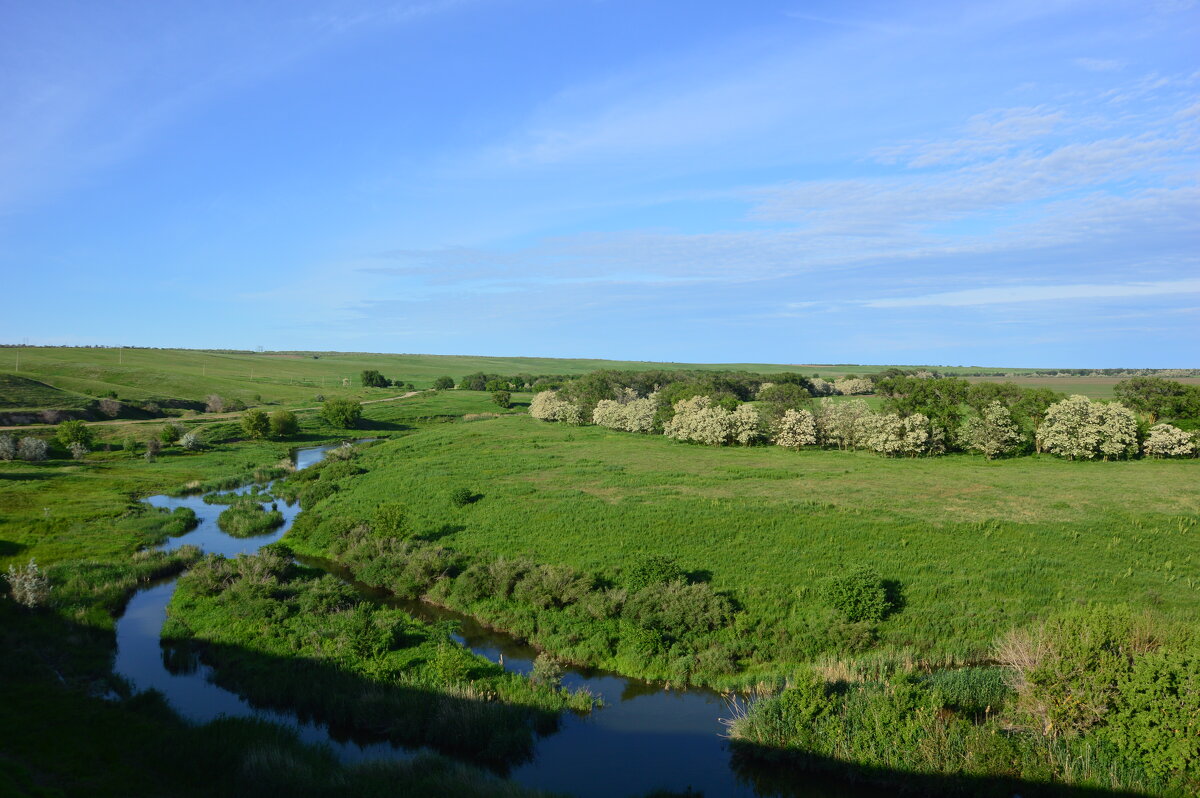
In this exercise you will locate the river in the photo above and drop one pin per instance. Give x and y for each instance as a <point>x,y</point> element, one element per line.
<point>645,737</point>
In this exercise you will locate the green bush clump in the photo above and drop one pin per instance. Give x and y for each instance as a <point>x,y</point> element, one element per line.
<point>652,570</point>
<point>316,493</point>
<point>858,595</point>
<point>461,497</point>
<point>247,518</point>
<point>344,413</point>
<point>390,519</point>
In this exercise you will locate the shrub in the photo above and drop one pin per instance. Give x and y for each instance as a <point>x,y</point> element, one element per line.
<point>841,424</point>
<point>109,407</point>
<point>1079,429</point>
<point>502,398</point>
<point>547,406</point>
<point>461,497</point>
<point>70,432</point>
<point>131,445</point>
<point>443,383</point>
<point>343,413</point>
<point>255,424</point>
<point>191,441</point>
<point>698,420</point>
<point>214,403</point>
<point>316,493</point>
<point>655,569</point>
<point>153,447</point>
<point>169,434</point>
<point>389,519</point>
<point>857,595</point>
<point>247,518</point>
<point>29,585</point>
<point>371,378</point>
<point>8,447</point>
<point>33,449</point>
<point>546,671</point>
<point>1166,440</point>
<point>284,424</point>
<point>78,450</point>
<point>678,608</point>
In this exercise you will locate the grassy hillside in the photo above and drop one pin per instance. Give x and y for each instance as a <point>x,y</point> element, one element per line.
<point>977,547</point>
<point>72,375</point>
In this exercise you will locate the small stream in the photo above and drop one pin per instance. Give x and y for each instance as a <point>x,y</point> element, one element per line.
<point>645,737</point>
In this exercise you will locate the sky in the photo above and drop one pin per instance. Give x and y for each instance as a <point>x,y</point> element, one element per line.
<point>1009,183</point>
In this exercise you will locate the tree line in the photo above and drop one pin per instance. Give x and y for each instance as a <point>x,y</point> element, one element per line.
<point>923,413</point>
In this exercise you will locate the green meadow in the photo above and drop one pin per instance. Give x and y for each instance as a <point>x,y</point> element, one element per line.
<point>976,547</point>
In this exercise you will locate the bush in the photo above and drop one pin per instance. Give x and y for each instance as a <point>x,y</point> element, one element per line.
<point>316,493</point>
<point>373,379</point>
<point>858,595</point>
<point>131,445</point>
<point>247,518</point>
<point>502,398</point>
<point>214,403</point>
<point>78,451</point>
<point>443,383</point>
<point>390,519</point>
<point>284,424</point>
<point>461,497</point>
<point>653,570</point>
<point>170,434</point>
<point>33,449</point>
<point>191,441</point>
<point>255,424</point>
<point>8,447</point>
<point>70,432</point>
<point>29,585</point>
<point>343,413</point>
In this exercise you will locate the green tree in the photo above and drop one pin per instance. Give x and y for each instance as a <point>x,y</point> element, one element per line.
<point>75,431</point>
<point>443,383</point>
<point>284,424</point>
<point>371,378</point>
<point>502,398</point>
<point>343,413</point>
<point>255,424</point>
<point>170,434</point>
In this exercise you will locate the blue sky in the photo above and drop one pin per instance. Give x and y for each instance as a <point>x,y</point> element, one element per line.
<point>1010,183</point>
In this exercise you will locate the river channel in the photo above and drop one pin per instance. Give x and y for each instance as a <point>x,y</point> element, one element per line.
<point>645,737</point>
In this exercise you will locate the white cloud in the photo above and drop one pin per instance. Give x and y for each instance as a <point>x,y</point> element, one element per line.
<point>1003,295</point>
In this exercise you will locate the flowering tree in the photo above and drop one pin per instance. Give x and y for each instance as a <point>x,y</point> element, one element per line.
<point>849,386</point>
<point>8,447</point>
<point>33,449</point>
<point>745,425</point>
<point>1080,429</point>
<point>993,432</point>
<point>796,428</point>
<point>547,406</point>
<point>699,421</point>
<point>840,424</point>
<point>1166,440</point>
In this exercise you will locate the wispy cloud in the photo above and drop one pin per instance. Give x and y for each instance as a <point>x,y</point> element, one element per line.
<point>1012,294</point>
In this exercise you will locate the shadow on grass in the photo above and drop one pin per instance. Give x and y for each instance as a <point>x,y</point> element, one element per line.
<point>56,730</point>
<point>793,774</point>
<point>466,723</point>
<point>9,548</point>
<point>375,425</point>
<point>437,534</point>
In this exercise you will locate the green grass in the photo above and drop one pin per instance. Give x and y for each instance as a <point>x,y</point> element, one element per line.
<point>977,547</point>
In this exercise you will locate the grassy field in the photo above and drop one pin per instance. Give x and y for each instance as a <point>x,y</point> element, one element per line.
<point>977,547</point>
<point>71,377</point>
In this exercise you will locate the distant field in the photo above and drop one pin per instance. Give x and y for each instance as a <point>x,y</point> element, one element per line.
<point>70,378</point>
<point>1094,387</point>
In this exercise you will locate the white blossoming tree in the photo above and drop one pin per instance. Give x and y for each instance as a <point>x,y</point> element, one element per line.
<point>993,432</point>
<point>547,406</point>
<point>746,425</point>
<point>699,421</point>
<point>1080,429</point>
<point>850,386</point>
<point>1166,440</point>
<point>840,424</point>
<point>796,428</point>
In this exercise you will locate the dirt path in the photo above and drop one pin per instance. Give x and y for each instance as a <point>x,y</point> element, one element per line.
<point>199,419</point>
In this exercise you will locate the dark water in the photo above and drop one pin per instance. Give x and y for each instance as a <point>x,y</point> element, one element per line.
<point>645,737</point>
